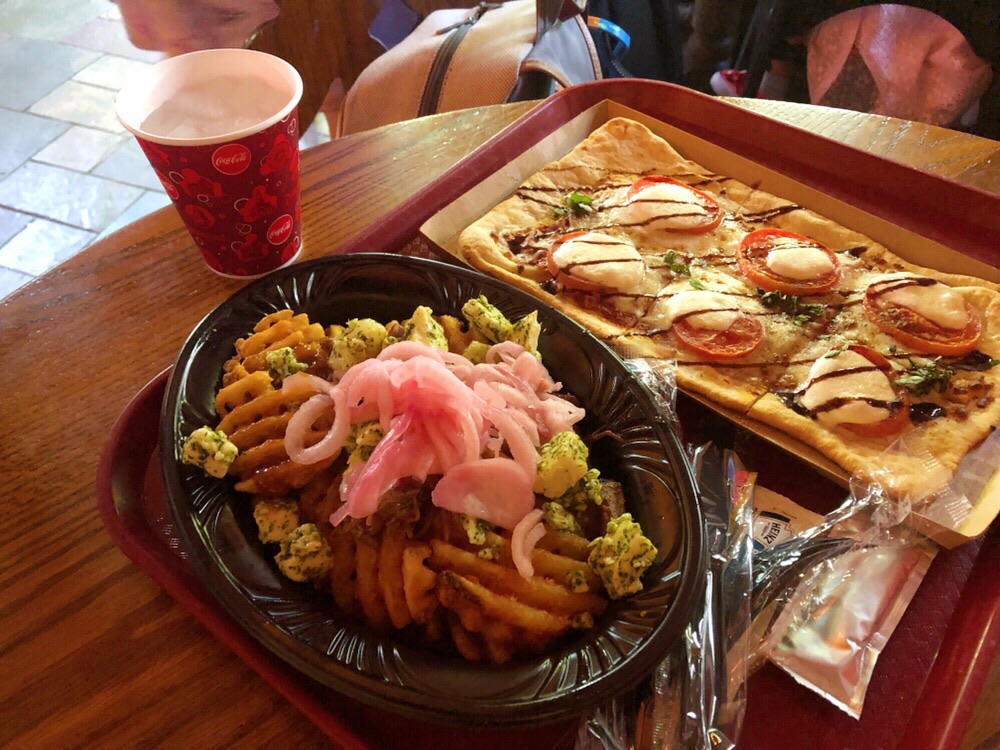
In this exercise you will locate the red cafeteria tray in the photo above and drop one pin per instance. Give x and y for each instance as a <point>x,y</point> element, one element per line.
<point>928,677</point>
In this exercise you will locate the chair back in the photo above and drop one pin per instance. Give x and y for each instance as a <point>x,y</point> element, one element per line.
<point>977,20</point>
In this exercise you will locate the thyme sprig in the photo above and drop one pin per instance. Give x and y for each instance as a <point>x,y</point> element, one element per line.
<point>921,379</point>
<point>676,267</point>
<point>800,312</point>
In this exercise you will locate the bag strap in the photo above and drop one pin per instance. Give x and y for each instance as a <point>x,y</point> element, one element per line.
<point>550,12</point>
<point>564,56</point>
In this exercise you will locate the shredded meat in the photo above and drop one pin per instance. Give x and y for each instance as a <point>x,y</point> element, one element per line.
<point>595,518</point>
<point>399,508</point>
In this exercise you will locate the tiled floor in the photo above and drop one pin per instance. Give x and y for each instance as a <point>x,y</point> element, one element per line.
<point>69,172</point>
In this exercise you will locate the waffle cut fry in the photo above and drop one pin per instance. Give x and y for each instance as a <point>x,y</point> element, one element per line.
<point>255,411</point>
<point>308,341</point>
<point>427,580</point>
<point>495,614</point>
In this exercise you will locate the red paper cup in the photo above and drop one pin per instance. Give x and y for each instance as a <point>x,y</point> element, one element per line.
<point>220,129</point>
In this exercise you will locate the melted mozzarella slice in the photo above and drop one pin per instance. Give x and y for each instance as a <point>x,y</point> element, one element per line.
<point>609,262</point>
<point>699,309</point>
<point>664,201</point>
<point>939,303</point>
<point>858,386</point>
<point>800,262</point>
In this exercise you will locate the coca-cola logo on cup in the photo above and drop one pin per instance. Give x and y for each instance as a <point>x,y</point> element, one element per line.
<point>231,159</point>
<point>167,184</point>
<point>280,229</point>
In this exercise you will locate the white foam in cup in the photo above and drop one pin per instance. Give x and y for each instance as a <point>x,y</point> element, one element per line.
<point>211,96</point>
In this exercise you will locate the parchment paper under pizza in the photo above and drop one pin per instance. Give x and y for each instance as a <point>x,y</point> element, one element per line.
<point>767,307</point>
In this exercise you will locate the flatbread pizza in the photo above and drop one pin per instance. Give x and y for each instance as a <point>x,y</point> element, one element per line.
<point>766,307</point>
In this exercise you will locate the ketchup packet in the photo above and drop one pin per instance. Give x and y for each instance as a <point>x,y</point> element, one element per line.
<point>830,634</point>
<point>828,627</point>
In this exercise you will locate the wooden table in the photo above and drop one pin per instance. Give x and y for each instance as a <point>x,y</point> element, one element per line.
<point>93,653</point>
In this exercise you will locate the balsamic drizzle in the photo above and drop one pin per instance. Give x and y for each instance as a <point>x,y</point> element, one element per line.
<point>974,360</point>
<point>596,262</point>
<point>925,411</point>
<point>839,374</point>
<point>884,286</point>
<point>771,213</point>
<point>835,403</point>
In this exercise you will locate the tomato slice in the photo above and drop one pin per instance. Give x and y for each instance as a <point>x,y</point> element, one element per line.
<point>913,330</point>
<point>706,216</point>
<point>892,424</point>
<point>752,258</point>
<point>741,338</point>
<point>872,356</point>
<point>897,418</point>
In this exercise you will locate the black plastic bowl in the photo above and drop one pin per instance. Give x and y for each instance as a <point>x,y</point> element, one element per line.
<point>303,627</point>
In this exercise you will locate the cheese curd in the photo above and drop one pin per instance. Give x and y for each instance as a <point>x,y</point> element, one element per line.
<point>211,450</point>
<point>860,387</point>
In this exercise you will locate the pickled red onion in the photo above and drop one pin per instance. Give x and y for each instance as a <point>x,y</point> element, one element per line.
<point>494,489</point>
<point>302,421</point>
<point>525,536</point>
<point>441,414</point>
